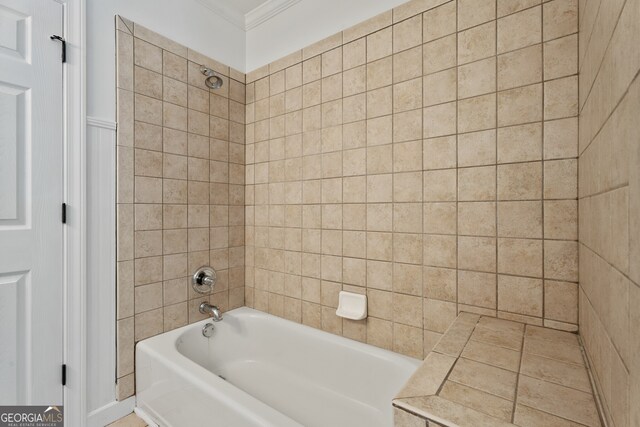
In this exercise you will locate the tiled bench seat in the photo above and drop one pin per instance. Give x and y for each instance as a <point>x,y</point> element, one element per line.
<point>491,372</point>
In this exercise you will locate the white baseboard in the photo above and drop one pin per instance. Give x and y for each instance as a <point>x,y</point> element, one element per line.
<point>111,412</point>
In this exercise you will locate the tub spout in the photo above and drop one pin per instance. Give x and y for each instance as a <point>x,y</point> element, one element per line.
<point>211,310</point>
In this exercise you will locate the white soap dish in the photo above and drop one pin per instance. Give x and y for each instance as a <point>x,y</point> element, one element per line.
<point>352,306</point>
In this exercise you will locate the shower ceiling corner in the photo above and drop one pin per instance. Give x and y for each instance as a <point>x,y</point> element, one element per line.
<point>247,14</point>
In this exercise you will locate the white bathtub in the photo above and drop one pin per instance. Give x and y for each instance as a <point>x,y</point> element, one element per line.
<point>277,373</point>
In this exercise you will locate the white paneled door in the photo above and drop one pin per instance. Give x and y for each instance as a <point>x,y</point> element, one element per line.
<point>31,195</point>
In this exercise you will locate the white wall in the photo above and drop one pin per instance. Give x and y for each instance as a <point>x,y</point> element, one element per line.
<point>307,22</point>
<point>185,21</point>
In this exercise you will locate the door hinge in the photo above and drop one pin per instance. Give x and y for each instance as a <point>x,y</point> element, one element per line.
<point>64,213</point>
<point>64,46</point>
<point>64,374</point>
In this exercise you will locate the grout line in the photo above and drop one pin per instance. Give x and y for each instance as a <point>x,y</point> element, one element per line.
<point>543,201</point>
<point>609,115</point>
<point>515,397</point>
<point>497,198</point>
<point>593,381</point>
<point>457,200</point>
<point>604,54</point>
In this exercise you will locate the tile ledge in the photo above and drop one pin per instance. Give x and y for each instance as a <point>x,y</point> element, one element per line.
<point>420,394</point>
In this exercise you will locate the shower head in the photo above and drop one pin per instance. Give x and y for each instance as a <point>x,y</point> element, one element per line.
<point>212,81</point>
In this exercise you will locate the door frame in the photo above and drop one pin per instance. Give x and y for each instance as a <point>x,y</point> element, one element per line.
<point>75,295</point>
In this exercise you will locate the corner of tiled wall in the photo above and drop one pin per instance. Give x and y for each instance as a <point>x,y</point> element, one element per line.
<point>426,157</point>
<point>180,188</point>
<point>609,62</point>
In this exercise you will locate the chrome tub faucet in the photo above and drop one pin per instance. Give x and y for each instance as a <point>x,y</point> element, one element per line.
<point>211,310</point>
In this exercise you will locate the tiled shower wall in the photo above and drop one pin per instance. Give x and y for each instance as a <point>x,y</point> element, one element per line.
<point>427,158</point>
<point>610,202</point>
<point>180,188</point>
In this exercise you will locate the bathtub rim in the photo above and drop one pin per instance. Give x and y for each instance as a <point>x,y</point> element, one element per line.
<point>163,348</point>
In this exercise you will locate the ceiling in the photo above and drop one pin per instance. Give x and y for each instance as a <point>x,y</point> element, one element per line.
<point>247,14</point>
<point>242,6</point>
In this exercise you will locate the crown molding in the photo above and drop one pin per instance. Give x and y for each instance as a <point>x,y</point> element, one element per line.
<point>266,11</point>
<point>254,17</point>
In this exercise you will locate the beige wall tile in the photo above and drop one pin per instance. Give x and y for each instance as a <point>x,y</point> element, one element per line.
<point>506,7</point>
<point>173,191</point>
<point>440,218</point>
<point>560,18</point>
<point>439,283</point>
<point>560,179</point>
<point>407,340</point>
<point>561,138</point>
<point>407,126</point>
<point>472,13</point>
<point>561,260</point>
<point>477,148</point>
<point>380,333</point>
<point>477,183</point>
<point>439,153</point>
<point>477,289</point>
<point>125,175</point>
<point>148,136</point>
<point>562,301</point>
<point>520,219</point>
<point>148,110</point>
<point>440,54</point>
<point>477,43</point>
<point>125,346</point>
<point>354,178</point>
<point>477,113</point>
<point>520,181</point>
<point>520,30</point>
<point>148,324</point>
<point>174,66</point>
<point>439,251</point>
<point>124,65</point>
<point>407,95</point>
<point>407,64</point>
<point>520,143</point>
<point>561,98</point>
<point>439,22</point>
<point>521,67</point>
<point>379,44</point>
<point>407,34</point>
<point>477,253</point>
<point>439,120</point>
<point>560,57</point>
<point>520,295</point>
<point>147,55</point>
<point>440,185</point>
<point>477,78</point>
<point>561,219</point>
<point>147,82</point>
<point>520,256</point>
<point>477,218</point>
<point>520,105</point>
<point>438,315</point>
